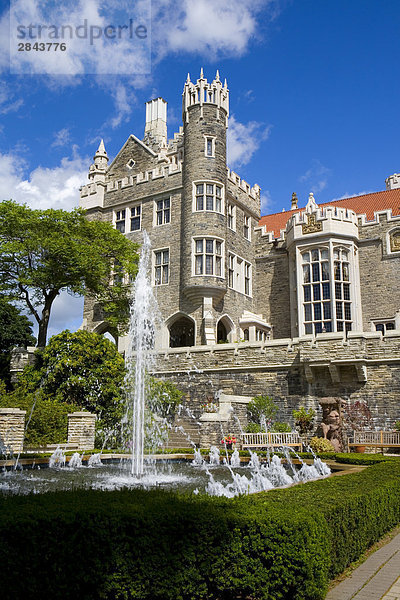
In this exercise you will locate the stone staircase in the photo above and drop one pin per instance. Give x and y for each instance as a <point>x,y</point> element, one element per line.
<point>184,431</point>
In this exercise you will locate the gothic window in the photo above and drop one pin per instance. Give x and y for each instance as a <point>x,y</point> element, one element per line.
<point>327,302</point>
<point>232,217</point>
<point>161,267</point>
<point>136,217</point>
<point>208,257</point>
<point>120,216</point>
<point>209,197</point>
<point>210,147</point>
<point>246,227</point>
<point>163,211</point>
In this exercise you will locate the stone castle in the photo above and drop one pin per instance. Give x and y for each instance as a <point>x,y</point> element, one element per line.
<point>298,305</point>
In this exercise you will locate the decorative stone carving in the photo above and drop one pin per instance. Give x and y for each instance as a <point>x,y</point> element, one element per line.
<point>312,226</point>
<point>395,241</point>
<point>332,425</point>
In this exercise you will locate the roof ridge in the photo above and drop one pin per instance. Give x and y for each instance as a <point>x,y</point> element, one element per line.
<point>329,202</point>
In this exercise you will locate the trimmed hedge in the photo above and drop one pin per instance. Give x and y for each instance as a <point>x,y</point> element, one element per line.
<point>283,544</point>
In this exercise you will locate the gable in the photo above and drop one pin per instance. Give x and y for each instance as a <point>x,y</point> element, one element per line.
<point>133,149</point>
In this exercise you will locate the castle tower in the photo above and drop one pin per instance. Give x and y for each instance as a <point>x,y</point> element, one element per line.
<point>97,171</point>
<point>205,109</point>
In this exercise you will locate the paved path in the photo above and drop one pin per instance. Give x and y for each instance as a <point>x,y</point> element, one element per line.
<point>378,578</point>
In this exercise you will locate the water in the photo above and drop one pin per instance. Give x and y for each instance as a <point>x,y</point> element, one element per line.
<point>197,476</point>
<point>144,317</point>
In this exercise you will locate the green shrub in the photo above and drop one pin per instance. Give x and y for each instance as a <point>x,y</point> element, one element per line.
<point>262,410</point>
<point>283,544</point>
<point>319,444</point>
<point>363,459</point>
<point>279,427</point>
<point>253,427</point>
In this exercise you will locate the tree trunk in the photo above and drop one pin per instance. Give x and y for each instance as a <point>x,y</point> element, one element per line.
<point>44,321</point>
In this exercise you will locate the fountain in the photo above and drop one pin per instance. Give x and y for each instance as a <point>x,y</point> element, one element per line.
<point>227,478</point>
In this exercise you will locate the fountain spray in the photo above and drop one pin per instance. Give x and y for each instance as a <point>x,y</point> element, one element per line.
<point>144,318</point>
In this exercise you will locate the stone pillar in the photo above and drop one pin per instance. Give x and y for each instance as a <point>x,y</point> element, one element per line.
<point>81,430</point>
<point>12,428</point>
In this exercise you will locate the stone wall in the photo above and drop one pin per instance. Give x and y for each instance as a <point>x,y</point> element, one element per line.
<point>12,430</point>
<point>81,430</point>
<point>294,372</point>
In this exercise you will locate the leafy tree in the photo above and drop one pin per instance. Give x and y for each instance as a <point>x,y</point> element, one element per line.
<point>15,330</point>
<point>43,252</point>
<point>85,369</point>
<point>262,409</point>
<point>304,419</point>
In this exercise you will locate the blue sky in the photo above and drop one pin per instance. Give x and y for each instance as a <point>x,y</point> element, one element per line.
<point>314,97</point>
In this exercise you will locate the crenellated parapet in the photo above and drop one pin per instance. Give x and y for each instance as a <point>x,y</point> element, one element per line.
<point>203,93</point>
<point>243,193</point>
<point>321,221</point>
<point>92,194</point>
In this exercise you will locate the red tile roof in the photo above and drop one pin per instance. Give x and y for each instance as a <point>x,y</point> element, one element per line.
<point>368,204</point>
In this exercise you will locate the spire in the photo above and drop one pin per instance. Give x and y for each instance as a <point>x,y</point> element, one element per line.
<point>188,78</point>
<point>201,73</point>
<point>100,160</point>
<point>225,84</point>
<point>217,76</point>
<point>101,151</point>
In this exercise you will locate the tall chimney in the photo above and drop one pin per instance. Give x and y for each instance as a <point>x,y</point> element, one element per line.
<point>294,201</point>
<point>156,120</point>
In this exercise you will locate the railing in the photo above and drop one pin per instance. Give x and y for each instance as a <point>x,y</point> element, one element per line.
<point>258,440</point>
<point>376,438</point>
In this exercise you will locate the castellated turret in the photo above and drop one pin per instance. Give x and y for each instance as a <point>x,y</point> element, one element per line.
<point>205,115</point>
<point>205,109</point>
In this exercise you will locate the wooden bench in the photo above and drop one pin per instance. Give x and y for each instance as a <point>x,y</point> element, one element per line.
<point>271,440</point>
<point>376,439</point>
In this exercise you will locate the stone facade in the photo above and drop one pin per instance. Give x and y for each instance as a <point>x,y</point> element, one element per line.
<point>300,305</point>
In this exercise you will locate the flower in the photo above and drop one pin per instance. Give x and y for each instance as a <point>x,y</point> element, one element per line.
<point>229,439</point>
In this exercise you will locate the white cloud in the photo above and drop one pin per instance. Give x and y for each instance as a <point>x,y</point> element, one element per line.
<point>61,138</point>
<point>345,196</point>
<point>44,187</point>
<point>8,101</point>
<point>123,106</point>
<point>67,313</point>
<point>93,49</point>
<point>266,201</point>
<point>316,177</point>
<point>243,140</point>
<point>217,28</point>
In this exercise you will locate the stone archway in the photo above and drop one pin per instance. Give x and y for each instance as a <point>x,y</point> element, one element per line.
<point>182,332</point>
<point>225,329</point>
